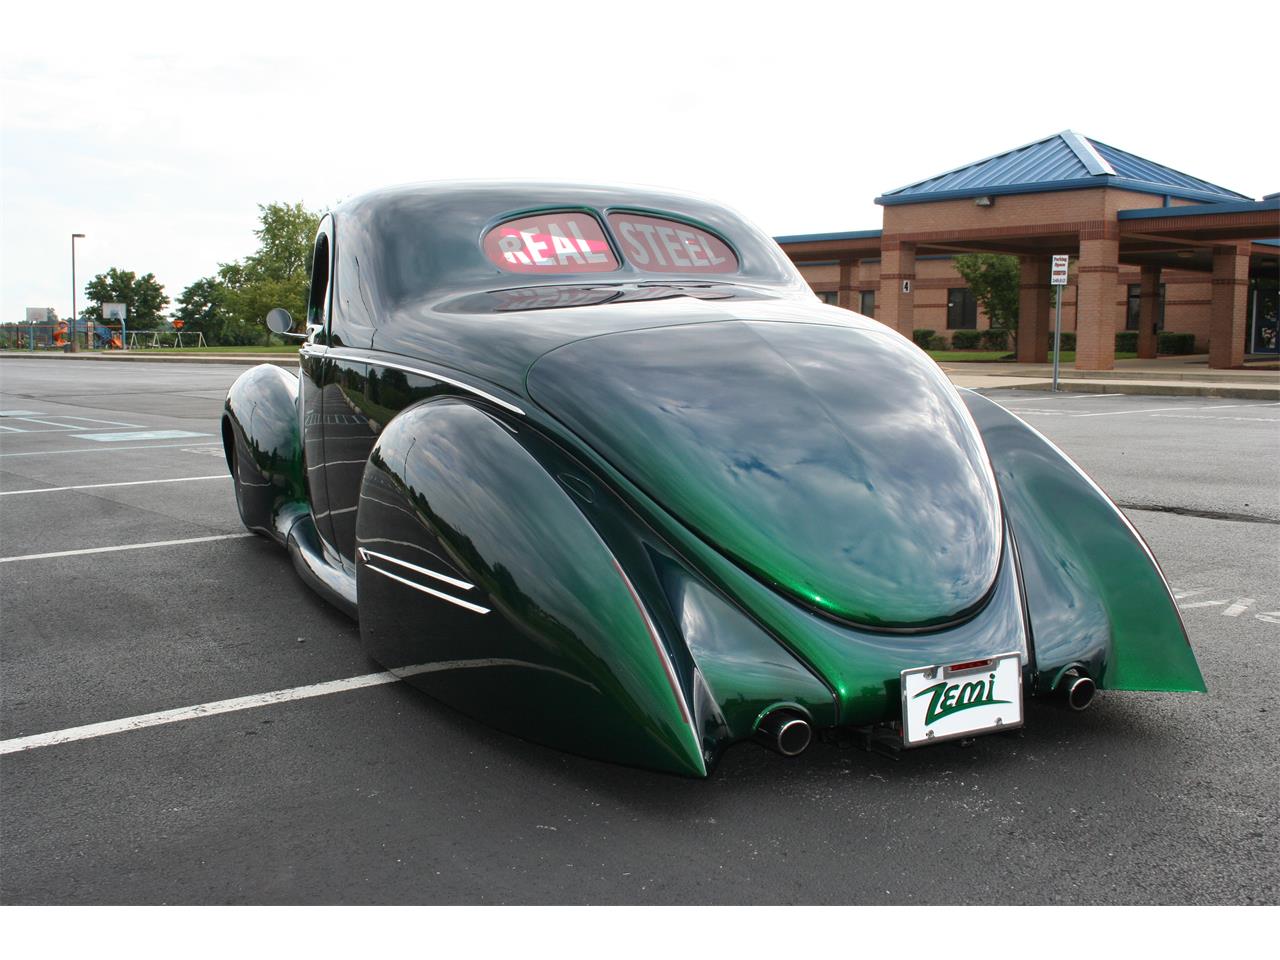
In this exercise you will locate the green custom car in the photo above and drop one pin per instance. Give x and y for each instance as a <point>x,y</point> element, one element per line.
<point>594,466</point>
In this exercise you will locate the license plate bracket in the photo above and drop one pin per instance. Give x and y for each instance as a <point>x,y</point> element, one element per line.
<point>964,699</point>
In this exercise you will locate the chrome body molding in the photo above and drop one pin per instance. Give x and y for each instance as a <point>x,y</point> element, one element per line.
<point>365,554</point>
<point>338,353</point>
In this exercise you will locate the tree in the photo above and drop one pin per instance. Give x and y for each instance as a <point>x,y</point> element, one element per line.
<point>144,298</point>
<point>285,235</point>
<point>200,306</point>
<point>229,308</point>
<point>993,278</point>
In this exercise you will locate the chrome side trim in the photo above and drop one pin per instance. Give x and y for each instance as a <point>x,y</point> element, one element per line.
<point>460,584</point>
<point>473,607</point>
<point>340,354</point>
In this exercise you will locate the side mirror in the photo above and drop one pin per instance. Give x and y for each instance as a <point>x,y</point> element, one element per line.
<point>279,321</point>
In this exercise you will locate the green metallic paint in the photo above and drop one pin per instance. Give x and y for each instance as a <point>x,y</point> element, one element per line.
<point>1082,557</point>
<point>565,656</point>
<point>263,450</point>
<point>837,464</point>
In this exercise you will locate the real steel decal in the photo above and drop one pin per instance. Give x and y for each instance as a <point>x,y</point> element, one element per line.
<point>574,242</point>
<point>655,245</point>
<point>563,242</point>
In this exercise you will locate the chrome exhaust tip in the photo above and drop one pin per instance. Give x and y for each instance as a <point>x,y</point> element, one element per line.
<point>784,732</point>
<point>1080,692</point>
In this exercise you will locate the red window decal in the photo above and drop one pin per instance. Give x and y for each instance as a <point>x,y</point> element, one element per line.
<point>655,245</point>
<point>563,242</point>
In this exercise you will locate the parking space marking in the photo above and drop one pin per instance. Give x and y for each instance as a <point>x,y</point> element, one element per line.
<point>114,423</point>
<point>48,423</point>
<point>139,435</point>
<point>92,730</point>
<point>1069,396</point>
<point>1200,416</point>
<point>1117,413</point>
<point>124,725</point>
<point>21,413</point>
<point>125,483</point>
<point>127,546</point>
<point>144,446</point>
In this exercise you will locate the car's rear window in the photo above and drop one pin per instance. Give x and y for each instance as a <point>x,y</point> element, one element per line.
<point>657,245</point>
<point>550,243</point>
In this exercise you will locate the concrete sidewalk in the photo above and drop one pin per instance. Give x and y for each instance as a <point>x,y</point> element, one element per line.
<point>1187,376</point>
<point>155,356</point>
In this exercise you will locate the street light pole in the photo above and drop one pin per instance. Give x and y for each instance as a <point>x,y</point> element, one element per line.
<point>75,346</point>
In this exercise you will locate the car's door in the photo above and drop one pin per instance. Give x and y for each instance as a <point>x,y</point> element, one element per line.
<point>315,372</point>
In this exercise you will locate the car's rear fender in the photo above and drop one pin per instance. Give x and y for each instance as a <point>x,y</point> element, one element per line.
<point>562,619</point>
<point>1095,594</point>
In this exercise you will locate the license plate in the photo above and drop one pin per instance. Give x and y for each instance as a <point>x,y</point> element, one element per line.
<point>961,700</point>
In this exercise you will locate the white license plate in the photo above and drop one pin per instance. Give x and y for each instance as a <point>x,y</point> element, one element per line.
<point>961,700</point>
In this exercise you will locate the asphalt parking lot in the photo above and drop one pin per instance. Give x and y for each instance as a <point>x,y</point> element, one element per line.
<point>127,588</point>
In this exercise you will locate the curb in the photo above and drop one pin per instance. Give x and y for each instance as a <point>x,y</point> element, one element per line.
<point>1222,391</point>
<point>245,359</point>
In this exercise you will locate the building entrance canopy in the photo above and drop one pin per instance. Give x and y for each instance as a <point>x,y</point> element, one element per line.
<point>1068,194</point>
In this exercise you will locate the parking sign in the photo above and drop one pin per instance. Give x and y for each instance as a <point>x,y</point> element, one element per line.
<point>1058,274</point>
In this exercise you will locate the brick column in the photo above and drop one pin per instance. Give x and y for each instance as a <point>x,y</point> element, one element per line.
<point>1035,316</point>
<point>897,264</point>
<point>1096,308</point>
<point>1228,311</point>
<point>845,298</point>
<point>1148,306</point>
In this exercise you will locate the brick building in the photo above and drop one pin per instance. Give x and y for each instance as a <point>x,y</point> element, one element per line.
<point>1151,249</point>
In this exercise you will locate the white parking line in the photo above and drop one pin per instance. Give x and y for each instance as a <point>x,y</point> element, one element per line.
<point>137,435</point>
<point>109,449</point>
<point>117,423</point>
<point>127,546</point>
<point>48,423</point>
<point>1120,413</point>
<point>91,730</point>
<point>1060,397</point>
<point>190,713</point>
<point>125,483</point>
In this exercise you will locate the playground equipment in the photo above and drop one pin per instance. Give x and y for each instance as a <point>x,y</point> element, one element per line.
<point>94,335</point>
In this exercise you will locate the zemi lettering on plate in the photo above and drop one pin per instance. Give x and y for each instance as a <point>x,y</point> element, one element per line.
<point>555,247</point>
<point>946,699</point>
<point>647,242</point>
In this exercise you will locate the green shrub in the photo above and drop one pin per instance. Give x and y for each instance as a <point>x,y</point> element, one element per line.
<point>1068,340</point>
<point>1127,341</point>
<point>966,340</point>
<point>922,338</point>
<point>995,340</point>
<point>939,342</point>
<point>1175,343</point>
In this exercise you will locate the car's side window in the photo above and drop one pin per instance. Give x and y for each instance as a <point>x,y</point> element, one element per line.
<point>318,301</point>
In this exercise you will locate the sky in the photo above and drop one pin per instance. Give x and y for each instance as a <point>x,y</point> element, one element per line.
<point>156,132</point>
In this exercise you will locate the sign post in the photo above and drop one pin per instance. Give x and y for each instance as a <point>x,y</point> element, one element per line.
<point>1058,278</point>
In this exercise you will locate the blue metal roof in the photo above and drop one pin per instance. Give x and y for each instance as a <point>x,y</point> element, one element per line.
<point>846,235</point>
<point>1161,213</point>
<point>1064,161</point>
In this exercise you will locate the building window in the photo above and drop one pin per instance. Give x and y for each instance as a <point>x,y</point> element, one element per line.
<point>962,309</point>
<point>1135,299</point>
<point>829,296</point>
<point>867,303</point>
